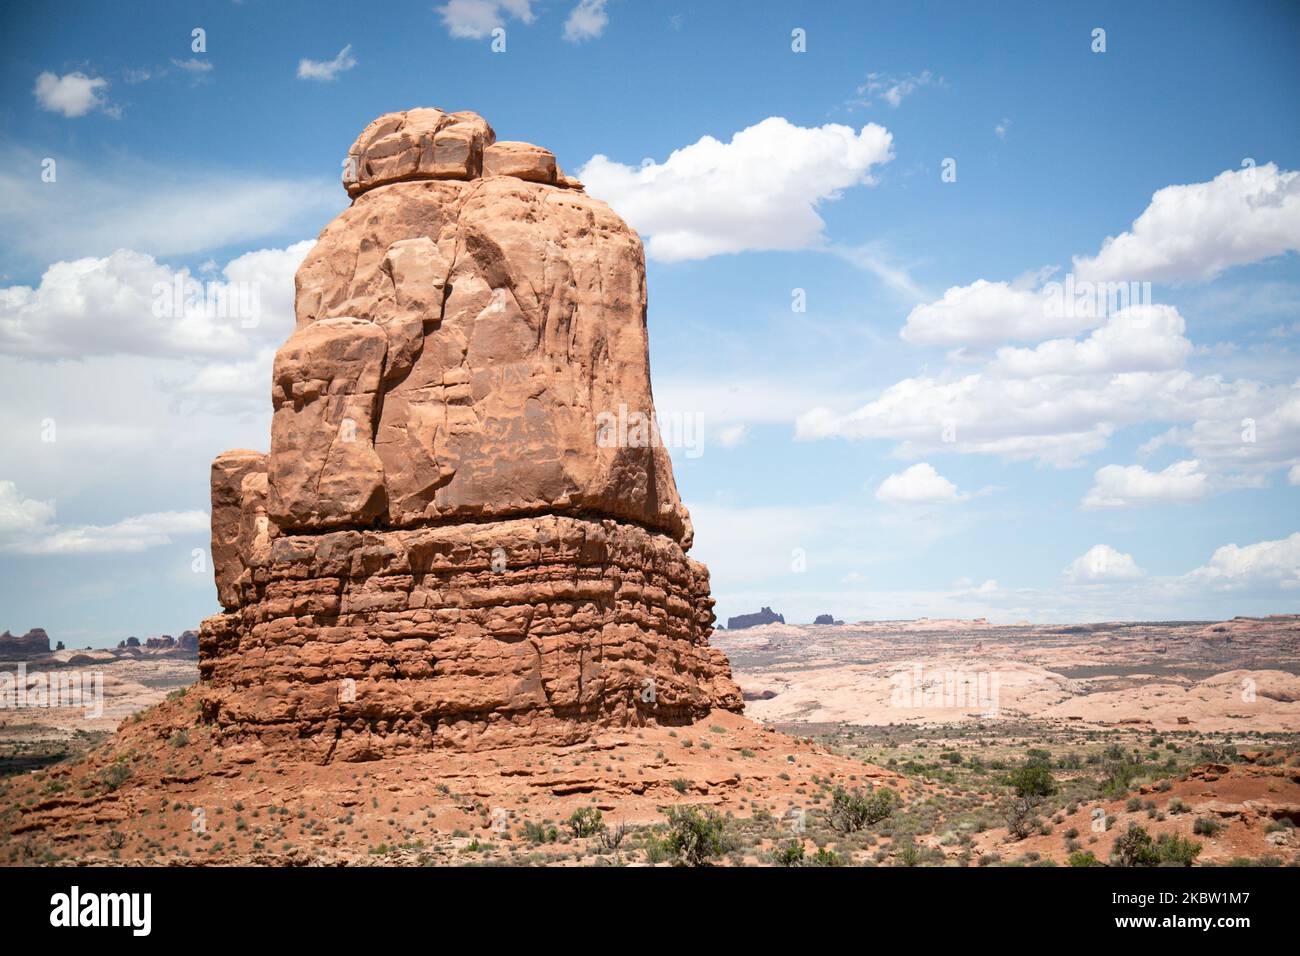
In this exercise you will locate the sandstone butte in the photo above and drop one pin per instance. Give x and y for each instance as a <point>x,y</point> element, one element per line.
<point>439,551</point>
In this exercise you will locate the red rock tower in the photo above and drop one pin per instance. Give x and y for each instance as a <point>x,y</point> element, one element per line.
<point>443,548</point>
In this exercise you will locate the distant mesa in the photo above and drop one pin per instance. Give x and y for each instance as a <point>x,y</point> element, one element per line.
<point>765,616</point>
<point>35,643</point>
<point>826,619</point>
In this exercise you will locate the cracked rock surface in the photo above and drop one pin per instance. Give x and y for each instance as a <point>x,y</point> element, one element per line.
<point>455,517</point>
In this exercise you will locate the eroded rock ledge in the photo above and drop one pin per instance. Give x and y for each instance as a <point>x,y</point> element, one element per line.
<point>353,645</point>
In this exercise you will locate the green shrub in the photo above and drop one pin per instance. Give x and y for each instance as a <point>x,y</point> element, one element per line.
<point>696,836</point>
<point>1206,826</point>
<point>1176,850</point>
<point>791,854</point>
<point>1135,847</point>
<point>825,857</point>
<point>1032,780</point>
<point>852,810</point>
<point>537,833</point>
<point>586,821</point>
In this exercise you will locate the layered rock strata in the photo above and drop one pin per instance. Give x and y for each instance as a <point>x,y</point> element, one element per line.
<point>450,543</point>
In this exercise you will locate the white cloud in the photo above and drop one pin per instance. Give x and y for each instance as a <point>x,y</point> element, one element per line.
<point>1002,128</point>
<point>882,87</point>
<point>21,516</point>
<point>26,528</point>
<point>475,19</point>
<point>327,70</point>
<point>757,192</point>
<point>984,313</point>
<point>1194,232</point>
<point>91,211</point>
<point>126,303</point>
<point>1137,339</point>
<point>1293,476</point>
<point>1102,563</point>
<point>1117,486</point>
<point>1062,402</point>
<point>1253,566</point>
<point>73,94</point>
<point>586,21</point>
<point>919,484</point>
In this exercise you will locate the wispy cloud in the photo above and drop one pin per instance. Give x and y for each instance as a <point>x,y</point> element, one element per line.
<point>327,70</point>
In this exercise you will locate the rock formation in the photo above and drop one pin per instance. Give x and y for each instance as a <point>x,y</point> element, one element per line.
<point>35,643</point>
<point>826,619</point>
<point>765,616</point>
<point>444,546</point>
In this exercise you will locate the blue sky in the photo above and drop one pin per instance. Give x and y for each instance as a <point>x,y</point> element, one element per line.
<point>1099,467</point>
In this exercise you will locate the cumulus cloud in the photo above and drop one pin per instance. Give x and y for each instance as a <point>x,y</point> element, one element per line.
<point>129,303</point>
<point>984,313</point>
<point>919,484</point>
<point>1117,486</point>
<point>26,527</point>
<point>1194,232</point>
<point>1100,564</point>
<point>1253,566</point>
<point>475,19</point>
<point>73,94</point>
<point>1138,339</point>
<point>1061,402</point>
<point>586,21</point>
<point>760,191</point>
<point>326,70</point>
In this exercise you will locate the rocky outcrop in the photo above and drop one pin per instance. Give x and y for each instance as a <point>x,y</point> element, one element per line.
<point>35,643</point>
<point>448,544</point>
<point>826,619</point>
<point>765,616</point>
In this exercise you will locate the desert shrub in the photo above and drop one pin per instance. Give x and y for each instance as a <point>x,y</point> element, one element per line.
<point>586,821</point>
<point>1135,847</point>
<point>1218,753</point>
<point>1083,858</point>
<point>680,784</point>
<point>906,854</point>
<point>115,775</point>
<point>1176,850</point>
<point>825,857</point>
<point>1020,816</point>
<point>537,833</point>
<point>1206,826</point>
<point>696,836</point>
<point>612,839</point>
<point>852,810</point>
<point>1177,806</point>
<point>1032,780</point>
<point>791,854</point>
